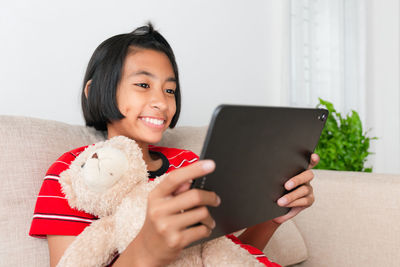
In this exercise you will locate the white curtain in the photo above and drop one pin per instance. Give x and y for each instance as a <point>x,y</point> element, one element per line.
<point>347,52</point>
<point>328,53</point>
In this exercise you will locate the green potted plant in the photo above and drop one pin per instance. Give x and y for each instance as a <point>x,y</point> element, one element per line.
<point>343,144</point>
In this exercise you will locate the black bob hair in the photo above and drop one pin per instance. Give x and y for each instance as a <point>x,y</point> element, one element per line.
<point>104,70</point>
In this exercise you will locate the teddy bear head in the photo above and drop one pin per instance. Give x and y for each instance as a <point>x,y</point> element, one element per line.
<point>103,174</point>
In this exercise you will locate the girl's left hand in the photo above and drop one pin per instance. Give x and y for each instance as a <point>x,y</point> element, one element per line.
<point>302,197</point>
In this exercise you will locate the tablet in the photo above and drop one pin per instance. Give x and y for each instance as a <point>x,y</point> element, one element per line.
<point>256,150</point>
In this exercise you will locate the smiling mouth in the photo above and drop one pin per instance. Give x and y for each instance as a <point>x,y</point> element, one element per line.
<point>153,121</point>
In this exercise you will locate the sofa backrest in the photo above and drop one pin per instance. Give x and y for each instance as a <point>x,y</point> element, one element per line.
<point>27,148</point>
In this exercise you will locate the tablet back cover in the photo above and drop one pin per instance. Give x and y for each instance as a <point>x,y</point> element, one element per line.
<point>256,150</point>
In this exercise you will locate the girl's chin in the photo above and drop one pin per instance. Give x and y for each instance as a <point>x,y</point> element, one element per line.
<point>149,139</point>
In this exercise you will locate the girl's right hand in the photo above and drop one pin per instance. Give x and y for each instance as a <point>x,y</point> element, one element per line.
<point>171,210</point>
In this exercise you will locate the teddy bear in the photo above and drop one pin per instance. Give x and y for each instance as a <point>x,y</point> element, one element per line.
<point>109,180</point>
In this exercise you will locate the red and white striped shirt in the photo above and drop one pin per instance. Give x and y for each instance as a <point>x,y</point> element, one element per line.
<point>54,216</point>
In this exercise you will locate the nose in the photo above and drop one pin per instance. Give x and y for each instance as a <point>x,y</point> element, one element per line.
<point>158,100</point>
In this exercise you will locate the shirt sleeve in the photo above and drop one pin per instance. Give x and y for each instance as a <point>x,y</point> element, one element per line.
<point>52,214</point>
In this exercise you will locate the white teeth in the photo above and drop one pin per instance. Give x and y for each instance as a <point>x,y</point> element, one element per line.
<point>153,121</point>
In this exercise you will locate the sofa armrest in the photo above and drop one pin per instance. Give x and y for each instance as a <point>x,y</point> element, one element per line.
<point>354,220</point>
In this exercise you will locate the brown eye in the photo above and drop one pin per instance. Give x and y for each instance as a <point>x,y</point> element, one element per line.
<point>143,85</point>
<point>170,91</point>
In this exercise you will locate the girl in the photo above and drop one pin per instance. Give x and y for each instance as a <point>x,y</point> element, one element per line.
<point>131,88</point>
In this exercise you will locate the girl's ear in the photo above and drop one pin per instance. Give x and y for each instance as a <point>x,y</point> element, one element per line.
<point>87,87</point>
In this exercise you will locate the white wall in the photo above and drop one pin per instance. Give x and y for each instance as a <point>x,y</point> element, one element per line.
<point>383,83</point>
<point>227,51</point>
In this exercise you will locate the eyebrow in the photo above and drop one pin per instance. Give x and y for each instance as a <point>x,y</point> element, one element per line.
<point>151,75</point>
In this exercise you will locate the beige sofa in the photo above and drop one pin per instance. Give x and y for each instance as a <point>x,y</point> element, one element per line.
<point>354,221</point>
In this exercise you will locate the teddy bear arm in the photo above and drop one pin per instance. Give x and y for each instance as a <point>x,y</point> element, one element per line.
<point>93,247</point>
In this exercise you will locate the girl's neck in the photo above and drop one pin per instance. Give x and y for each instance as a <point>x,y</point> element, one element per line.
<point>153,163</point>
<point>146,153</point>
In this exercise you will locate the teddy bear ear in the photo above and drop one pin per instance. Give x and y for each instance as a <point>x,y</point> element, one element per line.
<point>65,180</point>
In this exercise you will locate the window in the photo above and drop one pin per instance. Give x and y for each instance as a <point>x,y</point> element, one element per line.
<point>328,53</point>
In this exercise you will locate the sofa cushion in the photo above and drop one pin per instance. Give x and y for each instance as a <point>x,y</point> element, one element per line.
<point>354,220</point>
<point>28,146</point>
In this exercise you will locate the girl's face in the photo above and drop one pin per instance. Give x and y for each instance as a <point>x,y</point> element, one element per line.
<point>145,96</point>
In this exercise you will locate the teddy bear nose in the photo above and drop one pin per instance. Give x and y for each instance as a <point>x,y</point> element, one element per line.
<point>95,156</point>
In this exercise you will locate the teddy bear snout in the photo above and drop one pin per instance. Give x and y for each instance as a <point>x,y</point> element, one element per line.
<point>104,168</point>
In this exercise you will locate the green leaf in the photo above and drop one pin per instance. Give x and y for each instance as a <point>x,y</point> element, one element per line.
<point>327,104</point>
<point>342,145</point>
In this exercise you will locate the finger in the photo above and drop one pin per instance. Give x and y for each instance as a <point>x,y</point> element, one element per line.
<point>195,233</point>
<point>191,199</point>
<point>302,178</point>
<point>306,202</point>
<point>300,192</point>
<point>314,159</point>
<point>293,212</point>
<point>183,188</point>
<point>182,175</point>
<point>194,216</point>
